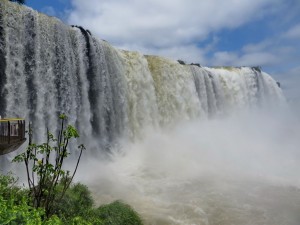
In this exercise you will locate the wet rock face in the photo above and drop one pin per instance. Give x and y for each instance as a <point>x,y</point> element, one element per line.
<point>2,63</point>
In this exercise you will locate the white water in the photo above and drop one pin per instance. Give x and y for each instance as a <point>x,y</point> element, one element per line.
<point>243,170</point>
<point>186,143</point>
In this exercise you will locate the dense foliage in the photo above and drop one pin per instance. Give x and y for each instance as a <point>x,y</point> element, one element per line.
<point>14,207</point>
<point>118,213</point>
<point>75,208</point>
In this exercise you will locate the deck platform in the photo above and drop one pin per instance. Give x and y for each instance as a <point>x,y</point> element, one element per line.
<point>12,134</point>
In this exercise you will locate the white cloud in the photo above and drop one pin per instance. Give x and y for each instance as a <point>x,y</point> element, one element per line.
<point>49,10</point>
<point>244,59</point>
<point>257,47</point>
<point>272,51</point>
<point>224,58</point>
<point>259,58</point>
<point>153,24</point>
<point>293,33</point>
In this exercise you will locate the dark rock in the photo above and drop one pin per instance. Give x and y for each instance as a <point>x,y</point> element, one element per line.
<point>196,64</point>
<point>278,83</point>
<point>181,62</point>
<point>89,32</point>
<point>257,68</point>
<point>83,31</point>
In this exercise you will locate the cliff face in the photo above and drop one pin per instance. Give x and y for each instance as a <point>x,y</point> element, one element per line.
<point>47,67</point>
<point>2,62</point>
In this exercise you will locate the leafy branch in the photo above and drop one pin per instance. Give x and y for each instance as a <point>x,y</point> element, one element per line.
<point>44,166</point>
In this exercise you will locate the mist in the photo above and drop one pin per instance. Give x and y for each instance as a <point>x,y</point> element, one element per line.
<point>242,169</point>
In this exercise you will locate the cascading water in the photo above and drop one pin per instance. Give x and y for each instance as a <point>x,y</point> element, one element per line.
<point>50,68</point>
<point>47,68</point>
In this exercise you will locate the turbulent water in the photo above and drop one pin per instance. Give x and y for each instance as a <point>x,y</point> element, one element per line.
<point>234,171</point>
<point>121,98</point>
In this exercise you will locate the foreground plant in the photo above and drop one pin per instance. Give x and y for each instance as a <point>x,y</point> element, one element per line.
<point>46,176</point>
<point>14,208</point>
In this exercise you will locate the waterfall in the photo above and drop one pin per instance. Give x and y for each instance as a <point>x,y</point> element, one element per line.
<point>194,148</point>
<point>48,68</point>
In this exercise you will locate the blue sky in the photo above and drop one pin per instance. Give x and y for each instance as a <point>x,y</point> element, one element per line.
<point>210,32</point>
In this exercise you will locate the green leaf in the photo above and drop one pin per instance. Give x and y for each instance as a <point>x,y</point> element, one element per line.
<point>71,132</point>
<point>63,116</point>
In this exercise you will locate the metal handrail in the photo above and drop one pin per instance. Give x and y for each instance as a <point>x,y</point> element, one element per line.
<point>10,119</point>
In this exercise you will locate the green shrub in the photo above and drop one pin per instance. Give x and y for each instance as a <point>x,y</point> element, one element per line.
<point>77,202</point>
<point>117,213</point>
<point>9,189</point>
<point>14,208</point>
<point>75,208</point>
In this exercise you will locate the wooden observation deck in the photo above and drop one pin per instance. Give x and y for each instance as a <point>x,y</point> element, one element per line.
<point>12,134</point>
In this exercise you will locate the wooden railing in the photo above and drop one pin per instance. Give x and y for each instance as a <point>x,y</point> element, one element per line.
<point>12,130</point>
